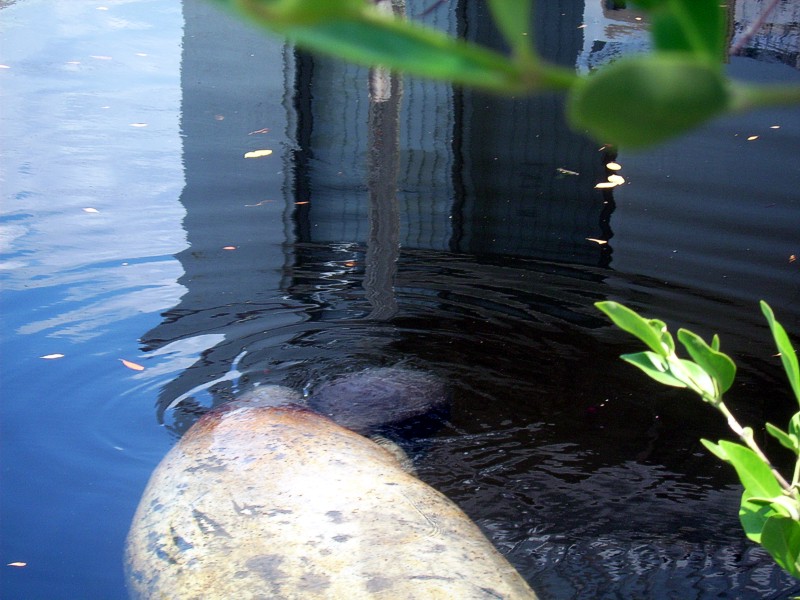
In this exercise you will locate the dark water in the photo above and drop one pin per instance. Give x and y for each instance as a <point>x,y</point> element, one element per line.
<point>590,479</point>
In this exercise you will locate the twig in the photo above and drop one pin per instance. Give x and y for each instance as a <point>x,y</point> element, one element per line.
<point>748,34</point>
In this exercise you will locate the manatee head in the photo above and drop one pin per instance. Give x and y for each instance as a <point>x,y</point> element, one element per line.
<point>268,395</point>
<point>367,399</point>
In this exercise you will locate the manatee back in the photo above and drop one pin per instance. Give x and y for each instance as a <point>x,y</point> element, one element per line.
<point>263,502</point>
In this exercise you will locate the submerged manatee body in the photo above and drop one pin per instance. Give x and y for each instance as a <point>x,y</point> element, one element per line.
<point>364,400</point>
<point>263,498</point>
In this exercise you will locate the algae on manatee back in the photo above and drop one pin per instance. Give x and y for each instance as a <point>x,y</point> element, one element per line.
<point>282,502</point>
<point>265,497</point>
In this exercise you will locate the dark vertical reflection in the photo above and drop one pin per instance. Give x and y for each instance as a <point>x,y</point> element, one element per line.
<point>302,153</point>
<point>505,176</point>
<point>383,246</point>
<point>514,199</point>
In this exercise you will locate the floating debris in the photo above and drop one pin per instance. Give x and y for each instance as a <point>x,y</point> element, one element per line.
<point>257,153</point>
<point>564,171</point>
<point>616,179</point>
<point>131,365</point>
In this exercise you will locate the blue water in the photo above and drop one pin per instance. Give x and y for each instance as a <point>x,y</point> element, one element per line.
<point>590,479</point>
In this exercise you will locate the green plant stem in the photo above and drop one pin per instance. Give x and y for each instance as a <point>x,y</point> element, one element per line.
<point>748,97</point>
<point>796,478</point>
<point>751,443</point>
<point>543,76</point>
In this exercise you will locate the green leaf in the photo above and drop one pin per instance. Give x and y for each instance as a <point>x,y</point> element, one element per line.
<point>717,364</point>
<point>513,19</point>
<point>756,476</point>
<point>787,440</point>
<point>695,26</point>
<point>758,482</point>
<point>780,537</point>
<point>716,450</point>
<point>753,516</point>
<point>356,32</point>
<point>652,364</point>
<point>651,331</point>
<point>649,4</point>
<point>788,355</point>
<point>641,100</point>
<point>794,425</point>
<point>783,505</point>
<point>693,375</point>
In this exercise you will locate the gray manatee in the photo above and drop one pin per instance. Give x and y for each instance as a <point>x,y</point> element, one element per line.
<point>366,399</point>
<point>263,498</point>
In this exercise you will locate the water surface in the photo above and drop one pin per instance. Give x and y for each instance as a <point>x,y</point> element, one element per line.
<point>134,229</point>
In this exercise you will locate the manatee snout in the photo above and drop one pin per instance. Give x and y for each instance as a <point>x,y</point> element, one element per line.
<point>373,397</point>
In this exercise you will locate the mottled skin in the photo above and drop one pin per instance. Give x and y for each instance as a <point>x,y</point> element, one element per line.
<point>261,501</point>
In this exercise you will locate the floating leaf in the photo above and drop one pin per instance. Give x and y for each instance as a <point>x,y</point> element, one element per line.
<point>616,179</point>
<point>17,564</point>
<point>596,241</point>
<point>564,171</point>
<point>132,365</point>
<point>613,166</point>
<point>229,247</point>
<point>91,210</point>
<point>257,153</point>
<point>52,356</point>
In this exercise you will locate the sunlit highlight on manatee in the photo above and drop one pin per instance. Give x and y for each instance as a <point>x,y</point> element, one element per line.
<point>264,498</point>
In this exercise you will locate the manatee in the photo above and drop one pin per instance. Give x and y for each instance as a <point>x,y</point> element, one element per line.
<point>363,400</point>
<point>265,498</point>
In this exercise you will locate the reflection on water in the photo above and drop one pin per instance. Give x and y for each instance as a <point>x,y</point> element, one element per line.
<point>591,480</point>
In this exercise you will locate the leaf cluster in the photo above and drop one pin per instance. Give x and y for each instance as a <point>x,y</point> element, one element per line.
<point>636,101</point>
<point>770,505</point>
